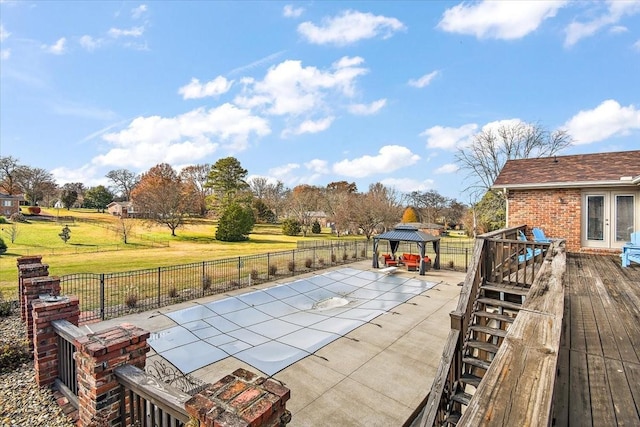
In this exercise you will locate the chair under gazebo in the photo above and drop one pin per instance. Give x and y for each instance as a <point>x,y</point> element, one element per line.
<point>408,233</point>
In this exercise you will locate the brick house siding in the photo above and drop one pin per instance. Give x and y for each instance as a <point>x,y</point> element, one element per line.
<point>557,212</point>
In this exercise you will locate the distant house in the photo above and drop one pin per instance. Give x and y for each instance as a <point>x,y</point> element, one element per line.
<point>432,229</point>
<point>122,209</point>
<point>10,204</point>
<point>591,200</point>
<point>319,216</point>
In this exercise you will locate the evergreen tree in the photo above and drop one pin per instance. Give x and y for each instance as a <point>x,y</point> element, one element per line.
<point>235,224</point>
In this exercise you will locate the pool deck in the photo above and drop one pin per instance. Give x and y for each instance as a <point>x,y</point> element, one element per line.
<point>376,375</point>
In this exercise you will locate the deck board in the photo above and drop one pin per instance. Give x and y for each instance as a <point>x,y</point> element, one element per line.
<point>598,379</point>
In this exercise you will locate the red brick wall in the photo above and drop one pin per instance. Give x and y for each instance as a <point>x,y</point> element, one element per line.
<point>556,211</point>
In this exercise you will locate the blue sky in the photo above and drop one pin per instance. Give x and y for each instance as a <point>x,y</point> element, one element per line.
<point>309,92</point>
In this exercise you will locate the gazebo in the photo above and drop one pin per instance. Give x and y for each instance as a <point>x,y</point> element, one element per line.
<point>408,233</point>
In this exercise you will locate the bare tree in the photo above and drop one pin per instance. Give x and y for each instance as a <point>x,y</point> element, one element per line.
<point>124,229</point>
<point>196,177</point>
<point>13,231</point>
<point>36,183</point>
<point>430,204</point>
<point>124,181</point>
<point>374,210</point>
<point>303,202</point>
<point>490,149</point>
<point>9,170</point>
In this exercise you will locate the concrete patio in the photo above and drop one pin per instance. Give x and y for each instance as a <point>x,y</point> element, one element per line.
<point>375,375</point>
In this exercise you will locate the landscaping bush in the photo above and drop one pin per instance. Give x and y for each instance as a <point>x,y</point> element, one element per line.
<point>345,256</point>
<point>291,227</point>
<point>363,253</point>
<point>131,298</point>
<point>315,227</point>
<point>273,269</point>
<point>308,262</point>
<point>234,284</point>
<point>333,258</point>
<point>291,266</point>
<point>13,355</point>
<point>5,306</point>
<point>321,261</point>
<point>3,246</point>
<point>451,264</point>
<point>173,292</point>
<point>3,220</point>
<point>206,282</point>
<point>235,224</point>
<point>254,274</point>
<point>18,217</point>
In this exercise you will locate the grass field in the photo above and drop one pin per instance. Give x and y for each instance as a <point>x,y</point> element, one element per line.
<point>95,247</point>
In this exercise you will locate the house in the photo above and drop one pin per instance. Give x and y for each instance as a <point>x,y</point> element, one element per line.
<point>122,209</point>
<point>10,204</point>
<point>591,200</point>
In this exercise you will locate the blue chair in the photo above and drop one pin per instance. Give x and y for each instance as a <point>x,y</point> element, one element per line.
<point>530,253</point>
<point>631,250</point>
<point>539,236</point>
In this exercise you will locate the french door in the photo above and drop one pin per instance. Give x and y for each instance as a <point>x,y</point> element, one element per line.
<point>609,218</point>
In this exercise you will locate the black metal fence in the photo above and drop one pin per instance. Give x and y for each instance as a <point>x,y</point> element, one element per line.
<point>108,295</point>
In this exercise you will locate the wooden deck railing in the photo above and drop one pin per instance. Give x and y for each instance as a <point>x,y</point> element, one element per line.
<point>517,390</point>
<point>67,381</point>
<point>498,257</point>
<point>147,402</point>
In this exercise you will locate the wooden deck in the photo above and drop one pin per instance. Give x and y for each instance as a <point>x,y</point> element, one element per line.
<point>598,382</point>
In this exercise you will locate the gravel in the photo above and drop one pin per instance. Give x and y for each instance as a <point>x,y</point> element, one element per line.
<point>22,402</point>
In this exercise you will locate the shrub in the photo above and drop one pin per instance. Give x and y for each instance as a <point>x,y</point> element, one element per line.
<point>315,227</point>
<point>5,306</point>
<point>291,227</point>
<point>234,284</point>
<point>345,256</point>
<point>13,355</point>
<point>363,253</point>
<point>18,217</point>
<point>291,266</point>
<point>254,274</point>
<point>131,298</point>
<point>308,262</point>
<point>354,255</point>
<point>321,261</point>
<point>173,292</point>
<point>273,269</point>
<point>3,220</point>
<point>3,246</point>
<point>34,210</point>
<point>235,224</point>
<point>333,258</point>
<point>451,264</point>
<point>206,282</point>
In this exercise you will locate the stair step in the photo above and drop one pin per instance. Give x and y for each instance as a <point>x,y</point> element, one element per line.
<point>471,379</point>
<point>495,316</point>
<point>507,289</point>
<point>462,397</point>
<point>500,303</point>
<point>473,361</point>
<point>491,331</point>
<point>453,418</point>
<point>482,345</point>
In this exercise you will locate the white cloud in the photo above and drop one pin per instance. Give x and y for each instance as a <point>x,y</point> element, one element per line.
<point>85,174</point>
<point>498,19</point>
<point>89,43</point>
<point>318,166</point>
<point>290,88</point>
<point>310,126</point>
<point>181,139</point>
<point>636,45</point>
<point>449,138</point>
<point>388,159</point>
<point>616,10</point>
<point>424,80</point>
<point>447,168</point>
<point>257,63</point>
<point>58,48</point>
<point>5,53</point>
<point>407,185</point>
<point>618,29</point>
<point>367,109</point>
<point>4,34</point>
<point>607,120</point>
<point>292,12</point>
<point>284,171</point>
<point>137,12</point>
<point>350,27</point>
<point>215,87</point>
<point>132,32</point>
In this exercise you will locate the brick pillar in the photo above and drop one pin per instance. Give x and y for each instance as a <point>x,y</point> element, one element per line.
<point>45,338</point>
<point>32,289</point>
<point>97,356</point>
<point>241,399</point>
<point>28,267</point>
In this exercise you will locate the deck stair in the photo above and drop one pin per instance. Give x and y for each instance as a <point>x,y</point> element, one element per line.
<point>495,309</point>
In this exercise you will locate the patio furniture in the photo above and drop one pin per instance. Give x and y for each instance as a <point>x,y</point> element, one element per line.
<point>389,261</point>
<point>529,253</point>
<point>631,250</point>
<point>539,236</point>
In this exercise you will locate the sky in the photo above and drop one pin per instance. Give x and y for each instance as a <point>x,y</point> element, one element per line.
<point>310,92</point>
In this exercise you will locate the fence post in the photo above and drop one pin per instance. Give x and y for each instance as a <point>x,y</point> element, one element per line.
<point>102,302</point>
<point>293,261</point>
<point>239,268</point>
<point>45,351</point>
<point>159,283</point>
<point>466,258</point>
<point>268,265</point>
<point>203,278</point>
<point>97,356</point>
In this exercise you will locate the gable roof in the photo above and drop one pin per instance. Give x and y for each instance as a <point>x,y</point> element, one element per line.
<point>582,170</point>
<point>407,233</point>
